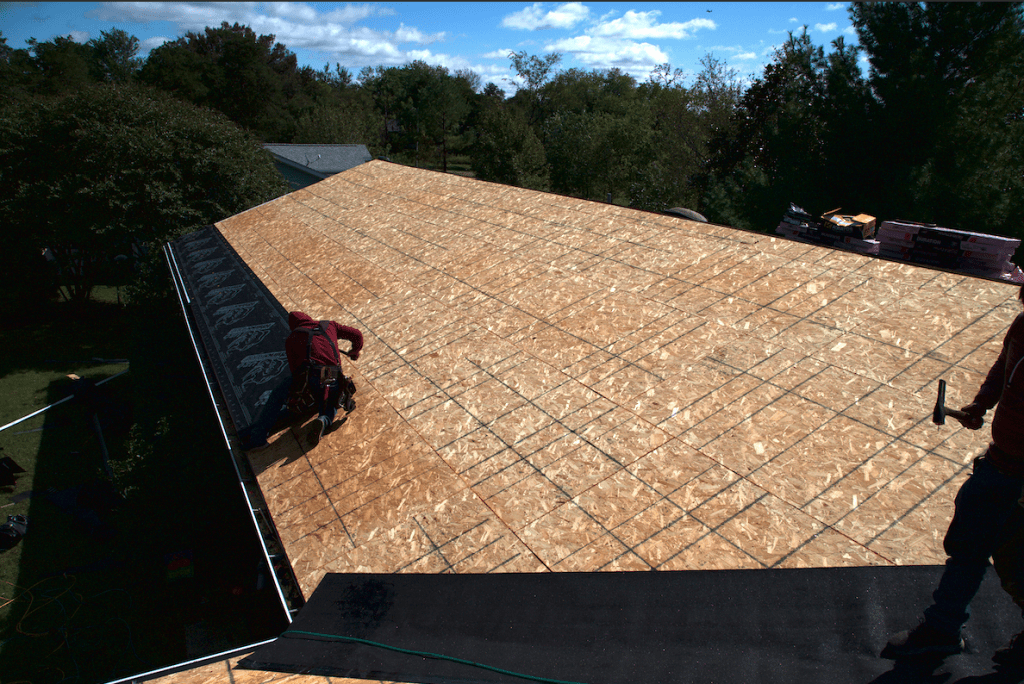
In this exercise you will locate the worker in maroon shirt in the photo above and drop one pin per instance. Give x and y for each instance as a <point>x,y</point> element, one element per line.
<point>317,384</point>
<point>315,363</point>
<point>987,518</point>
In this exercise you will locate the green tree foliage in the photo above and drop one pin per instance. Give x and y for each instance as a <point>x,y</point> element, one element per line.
<point>685,121</point>
<point>340,119</point>
<point>788,137</point>
<point>251,79</point>
<point>112,169</point>
<point>947,80</point>
<point>508,151</point>
<point>933,134</point>
<point>534,72</point>
<point>421,109</point>
<point>597,154</point>
<point>597,133</point>
<point>341,114</point>
<point>62,65</point>
<point>115,56</point>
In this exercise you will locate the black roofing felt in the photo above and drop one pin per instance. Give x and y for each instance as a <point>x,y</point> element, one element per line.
<point>242,325</point>
<point>726,626</point>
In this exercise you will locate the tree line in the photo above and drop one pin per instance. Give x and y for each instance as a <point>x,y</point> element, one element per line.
<point>933,132</point>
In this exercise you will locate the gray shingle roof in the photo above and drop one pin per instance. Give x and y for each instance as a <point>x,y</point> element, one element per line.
<point>323,160</point>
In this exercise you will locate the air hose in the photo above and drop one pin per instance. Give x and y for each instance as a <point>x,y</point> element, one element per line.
<point>435,656</point>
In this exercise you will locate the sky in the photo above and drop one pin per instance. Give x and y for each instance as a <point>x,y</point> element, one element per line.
<point>632,36</point>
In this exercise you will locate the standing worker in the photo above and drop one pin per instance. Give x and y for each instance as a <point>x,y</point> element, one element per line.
<point>315,363</point>
<point>983,506</point>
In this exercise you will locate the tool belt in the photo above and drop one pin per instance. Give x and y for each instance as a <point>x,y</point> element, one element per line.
<point>325,378</point>
<point>327,374</point>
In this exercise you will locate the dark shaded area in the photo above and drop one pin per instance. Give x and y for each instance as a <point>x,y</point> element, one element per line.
<point>159,566</point>
<point>732,626</point>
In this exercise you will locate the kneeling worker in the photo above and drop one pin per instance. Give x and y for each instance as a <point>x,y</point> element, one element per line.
<point>315,363</point>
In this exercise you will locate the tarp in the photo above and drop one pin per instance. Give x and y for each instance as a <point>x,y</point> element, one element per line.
<point>787,626</point>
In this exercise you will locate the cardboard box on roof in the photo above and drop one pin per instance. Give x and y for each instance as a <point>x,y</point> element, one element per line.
<point>858,225</point>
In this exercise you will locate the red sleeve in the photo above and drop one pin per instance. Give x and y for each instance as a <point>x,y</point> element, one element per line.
<point>992,389</point>
<point>353,336</point>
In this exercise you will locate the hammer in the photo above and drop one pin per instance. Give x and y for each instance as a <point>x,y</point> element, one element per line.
<point>940,413</point>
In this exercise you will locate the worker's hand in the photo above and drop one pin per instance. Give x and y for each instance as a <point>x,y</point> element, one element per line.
<point>975,416</point>
<point>354,355</point>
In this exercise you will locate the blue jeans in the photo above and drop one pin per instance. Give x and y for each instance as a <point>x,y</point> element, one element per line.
<point>983,507</point>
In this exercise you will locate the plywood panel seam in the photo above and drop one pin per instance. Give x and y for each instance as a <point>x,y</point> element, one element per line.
<point>917,505</point>
<point>323,489</point>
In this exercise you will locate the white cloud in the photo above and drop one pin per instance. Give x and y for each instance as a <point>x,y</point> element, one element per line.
<point>534,18</point>
<point>295,25</point>
<point>826,28</point>
<point>604,53</point>
<point>835,6</point>
<point>793,20</point>
<point>639,25</point>
<point>498,54</point>
<point>150,43</point>
<point>298,12</point>
<point>626,42</point>
<point>350,14</point>
<point>745,55</point>
<point>79,36</point>
<point>187,16</point>
<point>405,34</point>
<point>850,31</point>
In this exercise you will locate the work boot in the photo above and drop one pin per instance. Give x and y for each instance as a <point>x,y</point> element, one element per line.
<point>923,639</point>
<point>317,429</point>
<point>1011,655</point>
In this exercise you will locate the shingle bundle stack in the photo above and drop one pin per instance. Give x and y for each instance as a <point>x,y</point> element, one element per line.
<point>959,250</point>
<point>854,233</point>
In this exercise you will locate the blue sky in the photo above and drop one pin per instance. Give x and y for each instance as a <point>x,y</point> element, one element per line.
<point>463,35</point>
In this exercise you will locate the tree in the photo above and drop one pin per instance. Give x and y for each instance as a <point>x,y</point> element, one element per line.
<point>451,99</point>
<point>794,124</point>
<point>111,170</point>
<point>956,159</point>
<point>115,56</point>
<point>385,88</point>
<point>422,108</point>
<point>16,72</point>
<point>685,121</point>
<point>508,150</point>
<point>596,131</point>
<point>344,117</point>
<point>253,80</point>
<point>534,72</point>
<point>62,65</point>
<point>597,154</point>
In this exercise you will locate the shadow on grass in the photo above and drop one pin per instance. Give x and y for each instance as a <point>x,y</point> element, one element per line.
<point>111,586</point>
<point>63,337</point>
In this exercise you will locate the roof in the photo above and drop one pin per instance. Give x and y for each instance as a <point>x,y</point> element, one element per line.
<point>320,160</point>
<point>552,384</point>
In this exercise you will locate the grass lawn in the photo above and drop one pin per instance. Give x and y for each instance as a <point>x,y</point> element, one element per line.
<point>104,586</point>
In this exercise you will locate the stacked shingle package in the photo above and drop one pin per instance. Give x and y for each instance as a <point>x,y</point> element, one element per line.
<point>854,233</point>
<point>974,253</point>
